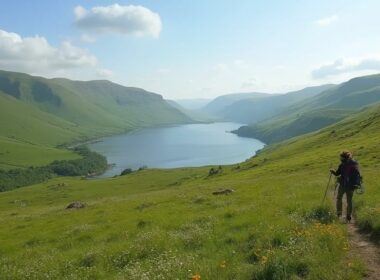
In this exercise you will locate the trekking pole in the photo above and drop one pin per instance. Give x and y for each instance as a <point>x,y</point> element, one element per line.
<point>327,187</point>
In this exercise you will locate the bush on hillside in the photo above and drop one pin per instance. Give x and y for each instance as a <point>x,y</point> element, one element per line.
<point>126,171</point>
<point>90,163</point>
<point>322,214</point>
<point>214,171</point>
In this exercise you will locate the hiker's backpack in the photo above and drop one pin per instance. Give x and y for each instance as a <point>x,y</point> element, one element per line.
<point>355,179</point>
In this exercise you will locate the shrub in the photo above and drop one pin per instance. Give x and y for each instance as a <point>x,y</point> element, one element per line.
<point>88,260</point>
<point>214,171</point>
<point>126,171</point>
<point>90,163</point>
<point>275,269</point>
<point>322,214</point>
<point>142,167</point>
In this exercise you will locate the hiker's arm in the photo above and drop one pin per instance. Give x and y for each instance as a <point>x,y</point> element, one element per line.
<point>336,172</point>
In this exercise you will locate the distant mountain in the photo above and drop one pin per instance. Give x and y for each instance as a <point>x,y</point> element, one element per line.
<point>217,105</point>
<point>253,110</point>
<point>36,111</point>
<point>193,104</point>
<point>317,112</point>
<point>196,115</point>
<point>353,94</point>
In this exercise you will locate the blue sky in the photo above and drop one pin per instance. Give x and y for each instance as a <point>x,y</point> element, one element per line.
<point>194,48</point>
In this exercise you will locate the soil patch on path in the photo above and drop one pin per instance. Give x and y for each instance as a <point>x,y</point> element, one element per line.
<point>368,251</point>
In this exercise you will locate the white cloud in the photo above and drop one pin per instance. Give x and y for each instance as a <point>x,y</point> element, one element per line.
<point>342,66</point>
<point>105,73</point>
<point>327,20</point>
<point>36,56</point>
<point>118,19</point>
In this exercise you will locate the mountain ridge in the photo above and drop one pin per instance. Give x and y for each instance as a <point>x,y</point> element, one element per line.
<point>255,107</point>
<point>328,107</point>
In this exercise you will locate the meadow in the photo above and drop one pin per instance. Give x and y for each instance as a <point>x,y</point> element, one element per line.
<point>167,224</point>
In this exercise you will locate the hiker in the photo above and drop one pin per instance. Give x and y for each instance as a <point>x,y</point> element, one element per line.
<point>349,179</point>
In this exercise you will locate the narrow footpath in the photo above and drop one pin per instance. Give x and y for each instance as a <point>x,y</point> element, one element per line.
<point>368,251</point>
<point>362,246</point>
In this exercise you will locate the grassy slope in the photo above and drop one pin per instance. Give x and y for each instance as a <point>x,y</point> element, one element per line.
<point>28,136</point>
<point>15,154</point>
<point>254,110</point>
<point>272,131</point>
<point>37,112</point>
<point>314,113</point>
<point>166,224</point>
<point>129,106</point>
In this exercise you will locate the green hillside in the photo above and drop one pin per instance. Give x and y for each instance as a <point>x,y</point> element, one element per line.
<point>317,112</point>
<point>254,110</point>
<point>167,224</point>
<point>38,112</point>
<point>272,131</point>
<point>354,93</point>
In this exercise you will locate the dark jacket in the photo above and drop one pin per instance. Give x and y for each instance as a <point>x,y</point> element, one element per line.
<point>349,174</point>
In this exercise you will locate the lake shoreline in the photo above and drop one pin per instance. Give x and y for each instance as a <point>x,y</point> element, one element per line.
<point>176,146</point>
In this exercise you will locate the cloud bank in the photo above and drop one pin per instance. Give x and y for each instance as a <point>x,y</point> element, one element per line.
<point>35,55</point>
<point>117,19</point>
<point>343,66</point>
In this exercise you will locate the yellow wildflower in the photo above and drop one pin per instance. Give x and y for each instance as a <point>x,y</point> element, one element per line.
<point>264,260</point>
<point>196,277</point>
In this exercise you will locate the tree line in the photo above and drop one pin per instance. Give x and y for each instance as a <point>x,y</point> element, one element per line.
<point>90,163</point>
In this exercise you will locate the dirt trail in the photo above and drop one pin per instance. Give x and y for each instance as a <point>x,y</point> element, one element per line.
<point>366,250</point>
<point>362,246</point>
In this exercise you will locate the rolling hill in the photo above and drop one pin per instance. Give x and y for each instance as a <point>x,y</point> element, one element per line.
<point>41,112</point>
<point>317,112</point>
<point>253,110</point>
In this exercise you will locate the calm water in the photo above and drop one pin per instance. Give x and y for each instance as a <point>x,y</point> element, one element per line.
<point>178,146</point>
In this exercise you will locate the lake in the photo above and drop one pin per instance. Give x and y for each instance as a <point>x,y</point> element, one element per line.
<point>176,146</point>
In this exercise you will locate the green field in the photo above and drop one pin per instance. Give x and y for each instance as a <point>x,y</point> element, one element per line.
<point>166,224</point>
<point>15,154</point>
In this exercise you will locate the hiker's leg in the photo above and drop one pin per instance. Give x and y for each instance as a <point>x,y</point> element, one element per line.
<point>349,195</point>
<point>339,201</point>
